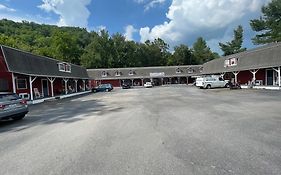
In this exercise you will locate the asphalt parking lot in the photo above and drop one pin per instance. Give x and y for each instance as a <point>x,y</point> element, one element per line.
<point>163,130</point>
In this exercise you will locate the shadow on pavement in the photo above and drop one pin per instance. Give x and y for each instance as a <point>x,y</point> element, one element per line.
<point>59,111</point>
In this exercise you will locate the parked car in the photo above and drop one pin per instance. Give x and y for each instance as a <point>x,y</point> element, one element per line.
<point>12,106</point>
<point>103,88</point>
<point>209,82</point>
<point>126,86</point>
<point>148,84</point>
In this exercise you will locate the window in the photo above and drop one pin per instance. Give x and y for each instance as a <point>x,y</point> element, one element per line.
<point>64,67</point>
<point>231,62</point>
<point>117,73</point>
<point>21,83</point>
<point>67,68</point>
<point>104,74</point>
<point>190,70</point>
<point>131,72</point>
<point>8,97</point>
<point>61,67</point>
<point>178,71</point>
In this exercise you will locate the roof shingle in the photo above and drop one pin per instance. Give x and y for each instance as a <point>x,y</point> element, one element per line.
<point>29,64</point>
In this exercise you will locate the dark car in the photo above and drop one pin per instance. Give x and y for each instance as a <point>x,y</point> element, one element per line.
<point>126,86</point>
<point>12,106</point>
<point>103,88</point>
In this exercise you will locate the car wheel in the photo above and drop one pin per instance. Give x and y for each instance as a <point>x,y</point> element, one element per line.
<point>208,86</point>
<point>106,90</point>
<point>227,85</point>
<point>20,117</point>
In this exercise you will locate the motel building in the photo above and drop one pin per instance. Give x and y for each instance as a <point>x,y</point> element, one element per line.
<point>257,68</point>
<point>138,76</point>
<point>37,78</point>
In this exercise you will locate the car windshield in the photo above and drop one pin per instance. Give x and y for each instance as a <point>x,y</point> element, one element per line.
<point>8,97</point>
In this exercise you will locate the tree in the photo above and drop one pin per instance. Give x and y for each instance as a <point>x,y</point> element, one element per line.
<point>157,52</point>
<point>201,52</point>
<point>99,53</point>
<point>181,56</point>
<point>97,49</point>
<point>268,25</point>
<point>235,46</point>
<point>64,47</point>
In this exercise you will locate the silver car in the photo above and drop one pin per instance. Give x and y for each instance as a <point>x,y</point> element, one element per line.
<point>12,106</point>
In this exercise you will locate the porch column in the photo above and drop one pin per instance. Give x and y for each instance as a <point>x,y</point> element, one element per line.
<point>132,82</point>
<point>235,76</point>
<point>84,85</point>
<point>187,78</point>
<point>76,88</point>
<point>51,80</point>
<point>279,75</point>
<point>31,88</point>
<point>222,74</point>
<point>14,83</point>
<point>254,75</point>
<point>65,85</point>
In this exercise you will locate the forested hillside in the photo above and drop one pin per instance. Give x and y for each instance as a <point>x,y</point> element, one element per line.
<point>98,49</point>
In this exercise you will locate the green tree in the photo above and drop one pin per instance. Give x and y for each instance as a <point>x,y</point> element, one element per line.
<point>181,56</point>
<point>201,52</point>
<point>65,48</point>
<point>268,25</point>
<point>234,46</point>
<point>99,53</point>
<point>157,52</point>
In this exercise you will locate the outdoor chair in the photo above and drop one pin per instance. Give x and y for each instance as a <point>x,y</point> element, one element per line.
<point>37,94</point>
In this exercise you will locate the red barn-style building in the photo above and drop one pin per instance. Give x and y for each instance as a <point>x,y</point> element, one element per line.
<point>37,77</point>
<point>256,68</point>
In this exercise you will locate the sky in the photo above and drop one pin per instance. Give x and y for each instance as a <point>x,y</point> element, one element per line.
<point>175,21</point>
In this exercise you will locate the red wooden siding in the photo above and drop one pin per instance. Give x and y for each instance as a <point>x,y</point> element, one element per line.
<point>4,74</point>
<point>244,77</point>
<point>115,83</point>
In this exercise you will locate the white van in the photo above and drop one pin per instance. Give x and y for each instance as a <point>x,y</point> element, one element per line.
<point>213,81</point>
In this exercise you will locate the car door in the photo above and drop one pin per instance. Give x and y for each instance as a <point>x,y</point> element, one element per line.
<point>221,82</point>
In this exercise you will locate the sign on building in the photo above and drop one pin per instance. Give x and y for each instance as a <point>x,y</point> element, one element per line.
<point>158,74</point>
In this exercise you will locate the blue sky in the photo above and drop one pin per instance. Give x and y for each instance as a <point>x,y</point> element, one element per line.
<point>175,21</point>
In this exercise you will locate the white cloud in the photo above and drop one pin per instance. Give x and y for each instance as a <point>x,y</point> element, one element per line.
<point>129,32</point>
<point>31,18</point>
<point>139,1</point>
<point>153,3</point>
<point>5,8</point>
<point>71,12</point>
<point>97,28</point>
<point>188,19</point>
<point>148,4</point>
